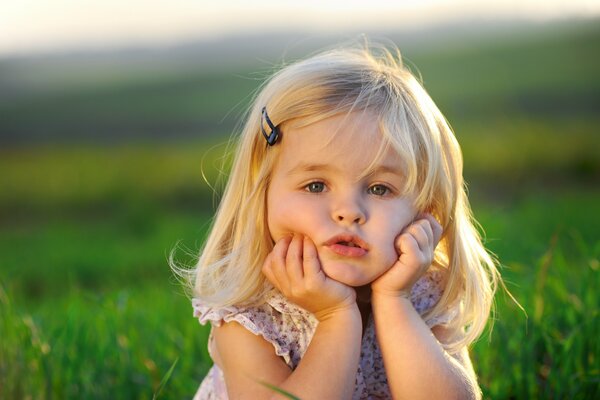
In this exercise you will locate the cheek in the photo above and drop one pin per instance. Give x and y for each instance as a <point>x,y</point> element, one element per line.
<point>383,242</point>
<point>392,224</point>
<point>388,249</point>
<point>288,215</point>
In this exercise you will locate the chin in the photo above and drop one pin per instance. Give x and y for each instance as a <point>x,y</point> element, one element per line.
<point>345,273</point>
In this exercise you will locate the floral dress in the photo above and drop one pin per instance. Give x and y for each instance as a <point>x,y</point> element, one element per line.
<point>290,328</point>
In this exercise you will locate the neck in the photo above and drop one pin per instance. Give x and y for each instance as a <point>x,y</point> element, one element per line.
<point>363,294</point>
<point>363,300</point>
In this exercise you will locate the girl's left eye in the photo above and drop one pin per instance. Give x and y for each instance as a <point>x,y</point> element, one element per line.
<point>315,187</point>
<point>379,190</point>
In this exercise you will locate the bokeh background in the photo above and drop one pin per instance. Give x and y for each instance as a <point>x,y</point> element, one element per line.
<point>114,119</point>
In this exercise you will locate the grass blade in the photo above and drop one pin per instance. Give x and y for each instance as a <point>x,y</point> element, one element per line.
<point>280,391</point>
<point>165,379</point>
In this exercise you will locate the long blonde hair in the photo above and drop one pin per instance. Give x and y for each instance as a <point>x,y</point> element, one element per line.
<point>338,81</point>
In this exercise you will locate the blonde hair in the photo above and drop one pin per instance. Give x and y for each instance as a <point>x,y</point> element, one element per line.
<point>365,78</point>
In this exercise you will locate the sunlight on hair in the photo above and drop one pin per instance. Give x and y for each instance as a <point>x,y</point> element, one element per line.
<point>362,77</point>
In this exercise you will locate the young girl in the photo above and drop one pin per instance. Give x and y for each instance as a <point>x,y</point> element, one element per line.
<point>343,261</point>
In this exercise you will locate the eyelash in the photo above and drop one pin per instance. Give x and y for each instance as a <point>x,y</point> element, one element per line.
<point>386,189</point>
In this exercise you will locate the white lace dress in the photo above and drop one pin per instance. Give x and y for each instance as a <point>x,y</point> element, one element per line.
<point>290,328</point>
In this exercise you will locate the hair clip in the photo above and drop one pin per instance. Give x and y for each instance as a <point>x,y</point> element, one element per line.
<point>274,135</point>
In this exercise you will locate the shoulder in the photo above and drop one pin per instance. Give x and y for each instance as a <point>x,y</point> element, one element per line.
<point>256,343</point>
<point>285,327</point>
<point>253,318</point>
<point>245,360</point>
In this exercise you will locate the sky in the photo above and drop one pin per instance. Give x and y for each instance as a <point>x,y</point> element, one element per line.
<point>43,26</point>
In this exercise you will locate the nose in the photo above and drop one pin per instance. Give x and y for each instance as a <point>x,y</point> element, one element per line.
<point>349,211</point>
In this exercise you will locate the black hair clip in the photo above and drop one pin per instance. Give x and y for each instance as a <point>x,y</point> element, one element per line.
<point>274,135</point>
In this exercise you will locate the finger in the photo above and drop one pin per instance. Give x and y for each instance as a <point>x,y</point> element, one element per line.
<point>408,249</point>
<point>278,261</point>
<point>436,227</point>
<point>268,272</point>
<point>293,262</point>
<point>312,265</point>
<point>434,224</point>
<point>421,232</point>
<point>426,225</point>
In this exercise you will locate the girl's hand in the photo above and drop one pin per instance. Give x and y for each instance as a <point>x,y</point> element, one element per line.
<point>294,268</point>
<point>415,246</point>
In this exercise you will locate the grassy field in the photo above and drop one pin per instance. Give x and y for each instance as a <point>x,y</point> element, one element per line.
<point>90,309</point>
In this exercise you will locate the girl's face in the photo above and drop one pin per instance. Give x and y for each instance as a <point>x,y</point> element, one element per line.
<point>318,190</point>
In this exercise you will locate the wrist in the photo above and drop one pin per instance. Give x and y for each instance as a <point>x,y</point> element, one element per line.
<point>346,311</point>
<point>390,294</point>
<point>387,298</point>
<point>390,308</point>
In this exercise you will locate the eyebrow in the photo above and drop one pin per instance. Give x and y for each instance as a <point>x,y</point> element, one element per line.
<point>307,167</point>
<point>379,169</point>
<point>383,169</point>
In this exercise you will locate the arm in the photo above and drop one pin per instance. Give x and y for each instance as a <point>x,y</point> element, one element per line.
<point>247,360</point>
<point>328,368</point>
<point>416,364</point>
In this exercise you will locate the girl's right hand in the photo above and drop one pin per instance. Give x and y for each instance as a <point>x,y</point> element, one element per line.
<point>294,268</point>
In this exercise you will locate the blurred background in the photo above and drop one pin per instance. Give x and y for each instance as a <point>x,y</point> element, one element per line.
<point>114,118</point>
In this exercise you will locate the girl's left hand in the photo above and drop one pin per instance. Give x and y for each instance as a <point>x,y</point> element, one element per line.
<point>415,246</point>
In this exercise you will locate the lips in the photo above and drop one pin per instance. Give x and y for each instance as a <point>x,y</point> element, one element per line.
<point>347,245</point>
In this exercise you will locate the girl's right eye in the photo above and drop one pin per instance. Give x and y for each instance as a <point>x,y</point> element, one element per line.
<point>315,187</point>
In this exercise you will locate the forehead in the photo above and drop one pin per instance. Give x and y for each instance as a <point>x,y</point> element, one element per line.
<point>351,142</point>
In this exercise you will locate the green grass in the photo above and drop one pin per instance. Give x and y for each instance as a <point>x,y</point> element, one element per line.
<point>90,309</point>
<point>552,352</point>
<point>118,344</point>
